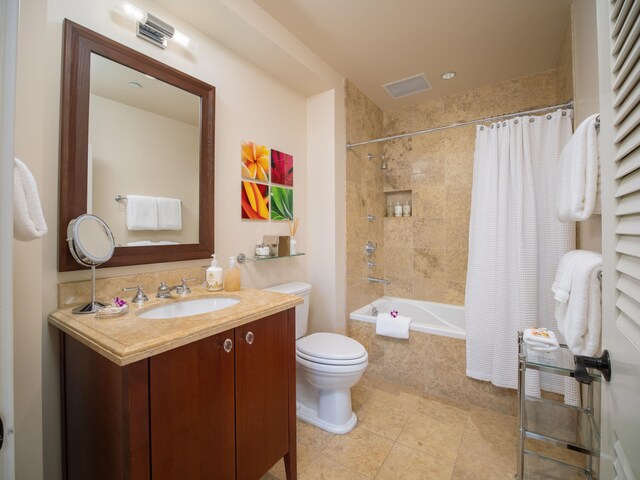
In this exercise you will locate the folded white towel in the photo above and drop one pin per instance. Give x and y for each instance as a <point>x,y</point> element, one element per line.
<point>396,327</point>
<point>141,212</point>
<point>541,339</point>
<point>28,219</point>
<point>169,213</point>
<point>580,318</point>
<point>579,161</point>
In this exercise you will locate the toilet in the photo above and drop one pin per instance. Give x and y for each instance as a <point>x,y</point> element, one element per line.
<point>328,366</point>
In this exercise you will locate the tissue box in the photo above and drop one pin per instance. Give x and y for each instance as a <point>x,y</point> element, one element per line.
<point>279,245</point>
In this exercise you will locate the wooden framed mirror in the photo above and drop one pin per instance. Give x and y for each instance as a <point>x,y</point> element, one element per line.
<point>131,125</point>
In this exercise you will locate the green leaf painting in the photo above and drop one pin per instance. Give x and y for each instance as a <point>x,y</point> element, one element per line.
<point>281,203</point>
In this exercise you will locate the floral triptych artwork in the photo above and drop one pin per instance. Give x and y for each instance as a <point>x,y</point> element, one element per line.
<point>266,174</point>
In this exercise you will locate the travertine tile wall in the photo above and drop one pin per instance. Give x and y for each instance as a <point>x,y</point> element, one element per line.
<point>364,196</point>
<point>426,254</point>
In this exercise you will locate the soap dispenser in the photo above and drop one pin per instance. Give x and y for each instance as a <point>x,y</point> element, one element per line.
<point>232,276</point>
<point>214,275</point>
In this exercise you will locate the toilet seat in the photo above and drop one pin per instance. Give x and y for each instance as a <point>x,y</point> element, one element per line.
<point>331,349</point>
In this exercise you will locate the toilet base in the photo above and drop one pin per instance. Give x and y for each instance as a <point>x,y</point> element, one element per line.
<point>309,415</point>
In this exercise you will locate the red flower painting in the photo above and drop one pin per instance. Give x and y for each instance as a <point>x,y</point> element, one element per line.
<point>281,168</point>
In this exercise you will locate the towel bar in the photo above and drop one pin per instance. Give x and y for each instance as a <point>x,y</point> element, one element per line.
<point>120,198</point>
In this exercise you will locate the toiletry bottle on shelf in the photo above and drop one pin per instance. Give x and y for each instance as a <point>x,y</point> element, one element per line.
<point>397,210</point>
<point>406,209</point>
<point>232,276</point>
<point>389,209</point>
<point>214,276</point>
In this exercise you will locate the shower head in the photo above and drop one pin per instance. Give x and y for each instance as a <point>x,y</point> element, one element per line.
<point>383,165</point>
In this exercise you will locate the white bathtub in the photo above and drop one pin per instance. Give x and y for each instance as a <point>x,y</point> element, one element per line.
<point>426,317</point>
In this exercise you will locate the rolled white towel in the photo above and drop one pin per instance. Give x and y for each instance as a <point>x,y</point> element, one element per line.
<point>541,339</point>
<point>396,327</point>
<point>28,219</point>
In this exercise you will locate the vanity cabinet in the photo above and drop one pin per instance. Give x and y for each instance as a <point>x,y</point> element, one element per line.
<point>219,408</point>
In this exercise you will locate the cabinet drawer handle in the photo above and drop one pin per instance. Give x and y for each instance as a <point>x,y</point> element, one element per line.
<point>227,345</point>
<point>249,337</point>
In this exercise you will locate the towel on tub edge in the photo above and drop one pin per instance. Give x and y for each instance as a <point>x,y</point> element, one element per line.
<point>389,326</point>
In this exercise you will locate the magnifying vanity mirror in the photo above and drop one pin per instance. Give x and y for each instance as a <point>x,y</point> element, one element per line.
<point>91,244</point>
<point>137,150</point>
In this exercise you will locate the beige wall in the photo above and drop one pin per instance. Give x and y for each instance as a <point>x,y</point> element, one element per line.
<point>364,196</point>
<point>130,146</point>
<point>426,255</point>
<point>249,105</point>
<point>586,96</point>
<point>28,284</point>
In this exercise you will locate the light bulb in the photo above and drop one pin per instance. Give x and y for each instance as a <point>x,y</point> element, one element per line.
<point>132,11</point>
<point>183,40</point>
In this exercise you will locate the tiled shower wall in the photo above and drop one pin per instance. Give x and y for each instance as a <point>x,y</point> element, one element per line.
<point>364,196</point>
<point>426,254</point>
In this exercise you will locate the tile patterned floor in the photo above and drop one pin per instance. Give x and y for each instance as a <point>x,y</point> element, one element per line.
<point>404,435</point>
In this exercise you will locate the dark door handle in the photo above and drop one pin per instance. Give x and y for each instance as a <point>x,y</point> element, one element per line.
<point>583,362</point>
<point>1,433</point>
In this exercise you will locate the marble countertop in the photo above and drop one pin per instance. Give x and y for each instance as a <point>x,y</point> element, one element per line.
<point>129,338</point>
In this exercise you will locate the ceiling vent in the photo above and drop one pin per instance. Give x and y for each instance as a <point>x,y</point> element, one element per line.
<point>408,86</point>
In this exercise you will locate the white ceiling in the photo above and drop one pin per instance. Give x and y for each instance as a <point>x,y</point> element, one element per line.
<point>111,80</point>
<point>373,42</point>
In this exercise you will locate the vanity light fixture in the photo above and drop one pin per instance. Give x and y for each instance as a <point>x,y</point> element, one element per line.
<point>152,29</point>
<point>448,75</point>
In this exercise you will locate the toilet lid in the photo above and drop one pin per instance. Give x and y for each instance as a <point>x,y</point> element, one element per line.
<point>330,346</point>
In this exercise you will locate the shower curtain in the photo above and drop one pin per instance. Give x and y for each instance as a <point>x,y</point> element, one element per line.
<point>515,243</point>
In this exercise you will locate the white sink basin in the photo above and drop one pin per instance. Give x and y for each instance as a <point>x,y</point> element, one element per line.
<point>187,308</point>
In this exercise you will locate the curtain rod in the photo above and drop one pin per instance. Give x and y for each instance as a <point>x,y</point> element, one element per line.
<point>567,105</point>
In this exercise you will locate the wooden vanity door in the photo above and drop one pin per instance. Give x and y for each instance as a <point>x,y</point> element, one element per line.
<point>262,394</point>
<point>191,390</point>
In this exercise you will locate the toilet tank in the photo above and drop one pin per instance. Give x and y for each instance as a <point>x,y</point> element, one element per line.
<point>303,290</point>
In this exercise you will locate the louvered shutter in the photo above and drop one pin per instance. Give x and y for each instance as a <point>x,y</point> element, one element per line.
<point>625,41</point>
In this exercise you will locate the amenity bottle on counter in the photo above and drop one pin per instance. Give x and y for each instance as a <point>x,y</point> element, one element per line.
<point>214,276</point>
<point>232,276</point>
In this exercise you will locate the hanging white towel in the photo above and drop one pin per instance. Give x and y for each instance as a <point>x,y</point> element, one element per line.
<point>142,212</point>
<point>564,275</point>
<point>28,220</point>
<point>396,327</point>
<point>580,317</point>
<point>579,173</point>
<point>169,213</point>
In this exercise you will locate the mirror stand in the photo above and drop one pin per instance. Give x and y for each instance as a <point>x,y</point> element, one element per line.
<point>94,305</point>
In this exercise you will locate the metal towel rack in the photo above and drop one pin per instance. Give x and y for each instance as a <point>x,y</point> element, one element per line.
<point>121,198</point>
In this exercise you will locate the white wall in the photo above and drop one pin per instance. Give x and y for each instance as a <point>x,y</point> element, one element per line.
<point>250,105</point>
<point>128,147</point>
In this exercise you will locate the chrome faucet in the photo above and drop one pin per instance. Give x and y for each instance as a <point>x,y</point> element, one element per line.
<point>139,296</point>
<point>378,280</point>
<point>374,311</point>
<point>164,290</point>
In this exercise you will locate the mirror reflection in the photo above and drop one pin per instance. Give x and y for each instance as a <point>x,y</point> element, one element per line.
<point>143,158</point>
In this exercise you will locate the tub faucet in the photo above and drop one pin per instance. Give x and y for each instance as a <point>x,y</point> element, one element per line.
<point>374,311</point>
<point>378,280</point>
